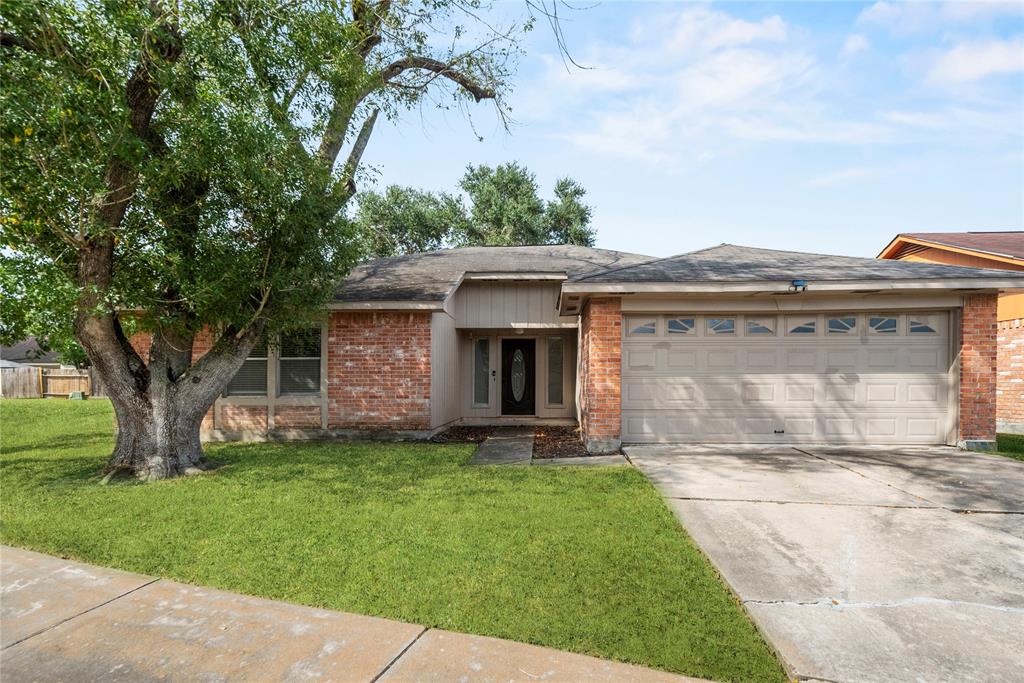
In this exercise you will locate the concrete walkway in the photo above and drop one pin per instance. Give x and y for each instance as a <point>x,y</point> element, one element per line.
<point>862,564</point>
<point>67,621</point>
<point>507,446</point>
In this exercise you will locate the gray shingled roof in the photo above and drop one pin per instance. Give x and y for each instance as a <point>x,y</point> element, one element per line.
<point>731,263</point>
<point>429,276</point>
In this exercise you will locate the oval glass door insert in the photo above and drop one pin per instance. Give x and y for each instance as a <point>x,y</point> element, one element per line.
<point>518,373</point>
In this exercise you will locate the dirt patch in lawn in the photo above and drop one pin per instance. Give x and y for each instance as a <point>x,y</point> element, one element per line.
<point>558,442</point>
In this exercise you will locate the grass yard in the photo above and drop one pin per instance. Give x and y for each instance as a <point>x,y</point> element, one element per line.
<point>1010,445</point>
<point>588,560</point>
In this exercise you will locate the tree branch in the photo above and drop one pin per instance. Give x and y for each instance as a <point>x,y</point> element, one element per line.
<point>396,68</point>
<point>348,178</point>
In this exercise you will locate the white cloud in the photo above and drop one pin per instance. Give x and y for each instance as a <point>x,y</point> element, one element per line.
<point>904,18</point>
<point>856,42</point>
<point>701,29</point>
<point>739,78</point>
<point>968,62</point>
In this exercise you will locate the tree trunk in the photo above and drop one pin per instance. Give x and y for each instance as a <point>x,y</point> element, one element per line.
<point>160,406</point>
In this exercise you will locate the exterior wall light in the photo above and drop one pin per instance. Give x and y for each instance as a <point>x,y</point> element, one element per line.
<point>798,286</point>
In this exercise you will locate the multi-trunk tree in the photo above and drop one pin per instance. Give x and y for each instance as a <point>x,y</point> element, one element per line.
<point>185,165</point>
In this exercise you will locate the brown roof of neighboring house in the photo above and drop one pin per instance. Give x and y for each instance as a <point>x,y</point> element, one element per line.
<point>1007,243</point>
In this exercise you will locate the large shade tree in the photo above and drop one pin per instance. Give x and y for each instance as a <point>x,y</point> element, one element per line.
<point>186,164</point>
<point>504,209</point>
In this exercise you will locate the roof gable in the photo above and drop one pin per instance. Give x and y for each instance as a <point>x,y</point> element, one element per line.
<point>1006,244</point>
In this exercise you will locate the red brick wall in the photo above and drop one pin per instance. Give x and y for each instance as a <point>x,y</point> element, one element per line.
<point>978,368</point>
<point>296,417</point>
<point>378,370</point>
<point>1010,376</point>
<point>248,418</point>
<point>601,374</point>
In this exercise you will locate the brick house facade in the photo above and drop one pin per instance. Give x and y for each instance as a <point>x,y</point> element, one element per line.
<point>418,343</point>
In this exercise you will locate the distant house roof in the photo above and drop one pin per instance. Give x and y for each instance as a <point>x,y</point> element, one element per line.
<point>731,263</point>
<point>27,352</point>
<point>1006,244</point>
<point>431,276</point>
<point>11,364</point>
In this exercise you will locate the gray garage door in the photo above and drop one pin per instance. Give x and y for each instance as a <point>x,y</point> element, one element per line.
<point>811,377</point>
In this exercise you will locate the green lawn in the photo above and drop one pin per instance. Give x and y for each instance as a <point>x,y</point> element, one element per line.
<point>588,560</point>
<point>1010,445</point>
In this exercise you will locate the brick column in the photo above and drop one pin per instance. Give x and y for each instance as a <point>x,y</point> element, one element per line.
<point>978,372</point>
<point>1010,377</point>
<point>601,375</point>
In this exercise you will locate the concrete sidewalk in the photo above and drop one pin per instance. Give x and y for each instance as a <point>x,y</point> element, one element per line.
<point>67,621</point>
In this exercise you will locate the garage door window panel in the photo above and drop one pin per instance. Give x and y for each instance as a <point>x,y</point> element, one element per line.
<point>682,325</point>
<point>883,324</point>
<point>846,324</point>
<point>721,326</point>
<point>923,324</point>
<point>760,327</point>
<point>802,325</point>
<point>641,327</point>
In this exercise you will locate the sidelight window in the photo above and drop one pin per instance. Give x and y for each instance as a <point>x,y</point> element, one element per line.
<point>481,371</point>
<point>556,353</point>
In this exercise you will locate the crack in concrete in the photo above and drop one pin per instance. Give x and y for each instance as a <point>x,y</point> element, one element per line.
<point>806,502</point>
<point>75,616</point>
<point>399,655</point>
<point>833,603</point>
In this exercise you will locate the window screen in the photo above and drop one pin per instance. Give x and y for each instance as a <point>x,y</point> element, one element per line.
<point>481,371</point>
<point>251,378</point>
<point>299,362</point>
<point>555,354</point>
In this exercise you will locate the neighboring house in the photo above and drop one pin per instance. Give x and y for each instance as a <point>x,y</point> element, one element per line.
<point>727,344</point>
<point>28,352</point>
<point>1000,250</point>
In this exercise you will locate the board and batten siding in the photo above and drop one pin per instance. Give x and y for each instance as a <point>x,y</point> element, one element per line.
<point>497,304</point>
<point>444,370</point>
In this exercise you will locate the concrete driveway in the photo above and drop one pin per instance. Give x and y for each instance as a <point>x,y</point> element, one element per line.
<point>862,564</point>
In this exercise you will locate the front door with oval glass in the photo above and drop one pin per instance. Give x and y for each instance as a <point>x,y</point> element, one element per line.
<point>518,375</point>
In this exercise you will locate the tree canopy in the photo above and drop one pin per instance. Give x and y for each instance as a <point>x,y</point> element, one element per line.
<point>190,162</point>
<point>504,209</point>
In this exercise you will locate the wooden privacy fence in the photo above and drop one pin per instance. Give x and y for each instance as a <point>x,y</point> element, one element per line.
<point>33,382</point>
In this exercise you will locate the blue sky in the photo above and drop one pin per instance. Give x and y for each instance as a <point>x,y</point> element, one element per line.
<point>823,127</point>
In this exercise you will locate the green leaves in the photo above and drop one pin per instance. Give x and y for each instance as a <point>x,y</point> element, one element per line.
<point>234,202</point>
<point>505,209</point>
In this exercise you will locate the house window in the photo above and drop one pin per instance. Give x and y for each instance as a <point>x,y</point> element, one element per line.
<point>882,324</point>
<point>637,326</point>
<point>555,356</point>
<point>251,378</point>
<point>842,325</point>
<point>801,325</point>
<point>760,326</point>
<point>682,325</point>
<point>481,371</point>
<point>299,362</point>
<point>721,325</point>
<point>922,324</point>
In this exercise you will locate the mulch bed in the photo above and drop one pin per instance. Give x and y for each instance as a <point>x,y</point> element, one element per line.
<point>561,441</point>
<point>558,442</point>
